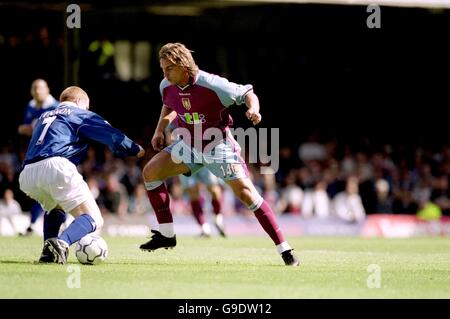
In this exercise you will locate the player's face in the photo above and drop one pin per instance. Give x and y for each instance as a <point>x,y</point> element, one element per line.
<point>175,74</point>
<point>40,91</point>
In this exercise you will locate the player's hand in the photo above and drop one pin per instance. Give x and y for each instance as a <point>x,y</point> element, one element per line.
<point>158,141</point>
<point>25,129</point>
<point>253,116</point>
<point>141,152</point>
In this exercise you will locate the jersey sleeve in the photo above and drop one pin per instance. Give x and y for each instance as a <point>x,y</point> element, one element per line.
<point>94,127</point>
<point>228,92</point>
<point>164,83</point>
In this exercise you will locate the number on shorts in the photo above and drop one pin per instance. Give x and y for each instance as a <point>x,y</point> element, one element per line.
<point>47,121</point>
<point>229,170</point>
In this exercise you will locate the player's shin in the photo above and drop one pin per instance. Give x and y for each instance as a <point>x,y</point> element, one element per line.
<point>267,219</point>
<point>197,210</point>
<point>217,206</point>
<point>159,198</point>
<point>52,222</point>
<point>80,227</point>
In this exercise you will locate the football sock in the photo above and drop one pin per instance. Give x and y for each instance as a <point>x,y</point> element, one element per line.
<point>80,227</point>
<point>267,219</point>
<point>167,230</point>
<point>35,211</point>
<point>159,198</point>
<point>52,222</point>
<point>197,211</point>
<point>206,229</point>
<point>219,219</point>
<point>283,247</point>
<point>217,206</point>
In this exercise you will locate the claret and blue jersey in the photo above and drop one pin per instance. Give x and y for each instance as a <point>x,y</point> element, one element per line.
<point>66,131</point>
<point>205,101</point>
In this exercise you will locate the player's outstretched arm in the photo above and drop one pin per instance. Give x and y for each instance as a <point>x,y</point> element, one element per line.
<point>95,128</point>
<point>252,102</point>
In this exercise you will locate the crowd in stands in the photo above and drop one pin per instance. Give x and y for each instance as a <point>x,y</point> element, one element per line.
<point>315,180</point>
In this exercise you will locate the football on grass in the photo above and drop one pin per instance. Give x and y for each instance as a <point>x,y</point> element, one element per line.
<point>91,250</point>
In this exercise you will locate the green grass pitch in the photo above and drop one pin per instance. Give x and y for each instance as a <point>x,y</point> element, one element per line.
<point>236,267</point>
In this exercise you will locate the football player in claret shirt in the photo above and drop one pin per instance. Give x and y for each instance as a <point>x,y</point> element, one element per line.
<point>50,176</point>
<point>199,101</point>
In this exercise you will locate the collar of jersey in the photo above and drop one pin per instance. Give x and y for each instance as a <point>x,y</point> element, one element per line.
<point>191,82</point>
<point>68,103</point>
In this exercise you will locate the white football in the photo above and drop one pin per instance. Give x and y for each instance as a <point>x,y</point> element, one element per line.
<point>91,249</point>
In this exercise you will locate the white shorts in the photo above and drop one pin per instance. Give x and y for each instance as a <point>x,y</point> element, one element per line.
<point>55,181</point>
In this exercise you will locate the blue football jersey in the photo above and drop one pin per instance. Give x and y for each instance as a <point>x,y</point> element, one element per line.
<point>32,112</point>
<point>66,131</point>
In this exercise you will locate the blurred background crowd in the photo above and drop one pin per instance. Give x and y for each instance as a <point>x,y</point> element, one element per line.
<point>341,94</point>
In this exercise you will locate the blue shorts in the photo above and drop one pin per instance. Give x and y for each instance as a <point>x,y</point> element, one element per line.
<point>223,160</point>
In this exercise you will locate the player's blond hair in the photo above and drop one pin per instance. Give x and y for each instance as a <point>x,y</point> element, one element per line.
<point>72,94</point>
<point>178,54</point>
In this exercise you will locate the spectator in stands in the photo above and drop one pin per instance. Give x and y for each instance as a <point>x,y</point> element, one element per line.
<point>348,204</point>
<point>384,203</point>
<point>403,202</point>
<point>8,205</point>
<point>139,203</point>
<point>316,202</point>
<point>440,193</point>
<point>9,208</point>
<point>312,149</point>
<point>113,197</point>
<point>291,196</point>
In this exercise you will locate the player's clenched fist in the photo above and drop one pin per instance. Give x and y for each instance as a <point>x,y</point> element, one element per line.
<point>158,141</point>
<point>253,116</point>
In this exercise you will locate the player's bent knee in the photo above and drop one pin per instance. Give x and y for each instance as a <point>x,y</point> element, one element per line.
<point>150,173</point>
<point>99,221</point>
<point>89,207</point>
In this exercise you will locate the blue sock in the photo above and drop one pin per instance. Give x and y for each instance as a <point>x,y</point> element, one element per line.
<point>52,222</point>
<point>80,227</point>
<point>36,211</point>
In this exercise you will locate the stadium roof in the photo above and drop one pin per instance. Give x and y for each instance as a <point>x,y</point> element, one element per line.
<point>197,7</point>
<point>395,3</point>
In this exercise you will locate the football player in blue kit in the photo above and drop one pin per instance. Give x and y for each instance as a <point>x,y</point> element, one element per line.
<point>41,102</point>
<point>50,176</point>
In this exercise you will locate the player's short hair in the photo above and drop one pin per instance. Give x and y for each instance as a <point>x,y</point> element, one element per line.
<point>72,94</point>
<point>178,54</point>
